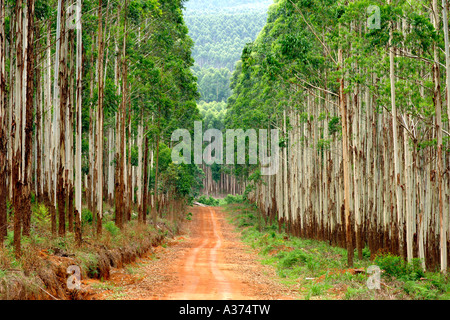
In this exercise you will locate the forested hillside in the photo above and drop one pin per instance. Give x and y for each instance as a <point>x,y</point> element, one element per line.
<point>220,30</point>
<point>229,6</point>
<point>364,118</point>
<point>89,99</point>
<point>220,37</point>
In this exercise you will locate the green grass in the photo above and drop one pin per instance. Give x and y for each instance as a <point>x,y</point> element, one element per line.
<point>229,199</point>
<point>320,271</point>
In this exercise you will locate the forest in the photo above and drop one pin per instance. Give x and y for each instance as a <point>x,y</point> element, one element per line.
<point>92,91</point>
<point>220,37</point>
<point>229,6</point>
<point>90,95</point>
<point>220,30</point>
<point>363,114</point>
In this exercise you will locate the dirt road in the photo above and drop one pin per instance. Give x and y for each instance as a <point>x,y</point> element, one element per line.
<point>208,263</point>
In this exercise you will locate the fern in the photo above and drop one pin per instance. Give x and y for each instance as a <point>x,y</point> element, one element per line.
<point>41,215</point>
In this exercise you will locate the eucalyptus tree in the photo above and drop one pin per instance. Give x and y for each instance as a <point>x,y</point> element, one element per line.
<point>359,102</point>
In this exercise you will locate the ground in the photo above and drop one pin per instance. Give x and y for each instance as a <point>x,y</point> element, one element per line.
<point>208,261</point>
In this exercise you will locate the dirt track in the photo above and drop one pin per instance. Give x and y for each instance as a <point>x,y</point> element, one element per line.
<point>209,263</point>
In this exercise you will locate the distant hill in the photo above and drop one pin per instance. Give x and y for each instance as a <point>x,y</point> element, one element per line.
<point>220,30</point>
<point>229,6</point>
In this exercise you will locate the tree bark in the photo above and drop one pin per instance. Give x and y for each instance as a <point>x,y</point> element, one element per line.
<point>99,164</point>
<point>79,96</point>
<point>346,159</point>
<point>28,118</point>
<point>3,128</point>
<point>144,205</point>
<point>61,175</point>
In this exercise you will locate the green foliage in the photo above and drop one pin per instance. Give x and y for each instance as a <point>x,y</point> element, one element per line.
<point>287,260</point>
<point>214,84</point>
<point>111,227</point>
<point>395,266</point>
<point>230,199</point>
<point>40,215</point>
<point>220,37</point>
<point>89,262</point>
<point>208,201</point>
<point>86,216</point>
<point>220,30</point>
<point>334,125</point>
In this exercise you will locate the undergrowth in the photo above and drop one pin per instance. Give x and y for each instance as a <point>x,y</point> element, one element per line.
<point>229,199</point>
<point>319,271</point>
<point>41,247</point>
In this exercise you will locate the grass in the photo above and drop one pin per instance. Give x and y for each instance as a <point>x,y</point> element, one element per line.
<point>116,292</point>
<point>41,243</point>
<point>319,271</point>
<point>229,199</point>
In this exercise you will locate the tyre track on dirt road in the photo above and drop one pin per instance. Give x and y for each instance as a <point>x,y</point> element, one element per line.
<point>209,263</point>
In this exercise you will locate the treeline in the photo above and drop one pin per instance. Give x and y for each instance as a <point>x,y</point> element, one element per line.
<point>229,6</point>
<point>364,117</point>
<point>219,38</point>
<point>213,84</point>
<point>88,101</point>
<point>218,180</point>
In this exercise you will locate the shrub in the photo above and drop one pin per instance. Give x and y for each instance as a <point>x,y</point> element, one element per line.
<point>86,216</point>
<point>208,201</point>
<point>292,258</point>
<point>420,290</point>
<point>111,227</point>
<point>395,266</point>
<point>41,215</point>
<point>230,199</point>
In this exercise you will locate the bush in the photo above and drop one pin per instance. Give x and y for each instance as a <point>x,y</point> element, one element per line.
<point>40,215</point>
<point>208,201</point>
<point>86,216</point>
<point>293,257</point>
<point>423,291</point>
<point>111,227</point>
<point>395,266</point>
<point>230,199</point>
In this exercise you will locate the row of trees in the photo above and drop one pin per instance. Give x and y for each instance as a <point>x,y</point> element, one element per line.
<point>218,180</point>
<point>220,30</point>
<point>364,113</point>
<point>90,93</point>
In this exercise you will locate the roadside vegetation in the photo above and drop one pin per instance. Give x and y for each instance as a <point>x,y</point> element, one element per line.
<point>213,202</point>
<point>41,271</point>
<point>320,271</point>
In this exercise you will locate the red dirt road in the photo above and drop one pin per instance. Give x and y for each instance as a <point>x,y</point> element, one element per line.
<point>209,263</point>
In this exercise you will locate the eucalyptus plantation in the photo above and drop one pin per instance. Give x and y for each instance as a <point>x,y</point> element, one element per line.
<point>82,87</point>
<point>367,129</point>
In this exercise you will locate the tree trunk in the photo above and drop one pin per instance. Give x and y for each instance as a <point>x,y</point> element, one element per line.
<point>144,204</point>
<point>156,209</point>
<point>28,118</point>
<point>16,129</point>
<point>99,164</point>
<point>346,159</point>
<point>439,127</point>
<point>79,96</point>
<point>3,128</point>
<point>61,175</point>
